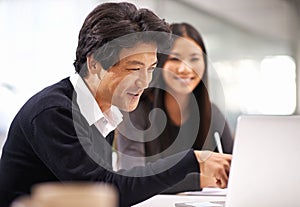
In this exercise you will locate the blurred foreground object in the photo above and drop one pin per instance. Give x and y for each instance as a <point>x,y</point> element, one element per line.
<point>70,194</point>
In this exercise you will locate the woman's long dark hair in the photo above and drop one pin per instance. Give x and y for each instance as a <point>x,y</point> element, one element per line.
<point>156,94</point>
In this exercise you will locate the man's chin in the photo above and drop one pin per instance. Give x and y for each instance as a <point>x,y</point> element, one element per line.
<point>132,108</point>
<point>128,108</point>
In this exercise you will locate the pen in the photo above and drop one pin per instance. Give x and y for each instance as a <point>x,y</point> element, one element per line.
<point>218,141</point>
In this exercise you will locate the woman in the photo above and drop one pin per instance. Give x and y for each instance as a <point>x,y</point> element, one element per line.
<point>189,119</point>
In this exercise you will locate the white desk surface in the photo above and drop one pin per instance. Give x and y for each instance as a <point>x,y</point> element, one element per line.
<point>170,200</point>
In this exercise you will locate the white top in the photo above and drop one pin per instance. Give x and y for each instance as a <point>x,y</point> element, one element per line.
<point>106,121</point>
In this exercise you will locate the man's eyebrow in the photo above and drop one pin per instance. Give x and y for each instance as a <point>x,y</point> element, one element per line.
<point>155,63</point>
<point>136,62</point>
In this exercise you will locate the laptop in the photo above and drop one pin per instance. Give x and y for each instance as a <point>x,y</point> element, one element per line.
<point>265,168</point>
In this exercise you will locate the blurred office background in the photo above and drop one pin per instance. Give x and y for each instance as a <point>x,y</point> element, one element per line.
<point>253,50</point>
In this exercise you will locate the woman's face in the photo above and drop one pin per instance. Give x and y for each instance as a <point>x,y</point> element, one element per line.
<point>184,67</point>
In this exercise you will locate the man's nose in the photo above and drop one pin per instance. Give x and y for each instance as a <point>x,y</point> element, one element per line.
<point>143,79</point>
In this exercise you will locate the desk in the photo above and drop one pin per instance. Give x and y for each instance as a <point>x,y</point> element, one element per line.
<point>170,200</point>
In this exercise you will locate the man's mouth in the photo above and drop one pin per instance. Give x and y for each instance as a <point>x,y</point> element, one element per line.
<point>135,94</point>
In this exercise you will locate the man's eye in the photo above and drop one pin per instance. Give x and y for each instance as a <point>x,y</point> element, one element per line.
<point>133,69</point>
<point>151,69</point>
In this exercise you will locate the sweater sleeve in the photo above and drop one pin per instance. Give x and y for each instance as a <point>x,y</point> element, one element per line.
<point>131,145</point>
<point>66,146</point>
<point>130,153</point>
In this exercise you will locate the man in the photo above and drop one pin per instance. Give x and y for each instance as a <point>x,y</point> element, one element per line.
<point>64,132</point>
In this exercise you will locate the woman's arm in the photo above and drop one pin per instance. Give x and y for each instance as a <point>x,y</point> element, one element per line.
<point>220,125</point>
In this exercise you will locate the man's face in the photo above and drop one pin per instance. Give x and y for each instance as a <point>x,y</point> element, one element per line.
<point>123,83</point>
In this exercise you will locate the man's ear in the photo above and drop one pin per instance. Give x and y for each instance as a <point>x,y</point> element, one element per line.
<point>94,67</point>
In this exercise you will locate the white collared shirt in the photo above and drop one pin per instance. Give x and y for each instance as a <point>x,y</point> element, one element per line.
<point>106,121</point>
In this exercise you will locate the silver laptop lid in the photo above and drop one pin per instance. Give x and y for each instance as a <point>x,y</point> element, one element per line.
<point>265,168</point>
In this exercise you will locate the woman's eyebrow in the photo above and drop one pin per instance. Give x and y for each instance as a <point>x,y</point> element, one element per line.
<point>196,54</point>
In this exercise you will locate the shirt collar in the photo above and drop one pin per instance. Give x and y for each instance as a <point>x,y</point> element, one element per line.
<point>89,107</point>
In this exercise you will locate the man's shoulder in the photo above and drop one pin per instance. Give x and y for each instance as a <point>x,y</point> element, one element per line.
<point>62,88</point>
<point>59,94</point>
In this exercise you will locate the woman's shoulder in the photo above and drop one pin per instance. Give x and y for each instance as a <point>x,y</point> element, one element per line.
<point>217,111</point>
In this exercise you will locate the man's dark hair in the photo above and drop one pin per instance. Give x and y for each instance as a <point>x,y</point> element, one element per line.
<point>108,22</point>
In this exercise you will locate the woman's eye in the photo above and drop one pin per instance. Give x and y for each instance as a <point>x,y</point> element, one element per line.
<point>173,59</point>
<point>195,59</point>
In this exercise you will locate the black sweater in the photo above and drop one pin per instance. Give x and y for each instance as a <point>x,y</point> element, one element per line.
<point>50,140</point>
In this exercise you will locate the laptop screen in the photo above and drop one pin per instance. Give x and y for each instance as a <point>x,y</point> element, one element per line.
<point>265,169</point>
